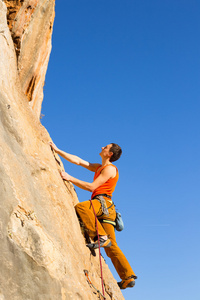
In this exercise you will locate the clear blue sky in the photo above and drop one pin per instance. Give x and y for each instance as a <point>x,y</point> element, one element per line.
<point>128,72</point>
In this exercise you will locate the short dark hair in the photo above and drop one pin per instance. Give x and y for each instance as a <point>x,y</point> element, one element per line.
<point>117,151</point>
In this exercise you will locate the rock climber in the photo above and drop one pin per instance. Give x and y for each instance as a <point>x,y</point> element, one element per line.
<point>105,179</point>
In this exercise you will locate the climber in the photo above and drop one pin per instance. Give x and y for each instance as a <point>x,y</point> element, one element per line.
<point>105,180</point>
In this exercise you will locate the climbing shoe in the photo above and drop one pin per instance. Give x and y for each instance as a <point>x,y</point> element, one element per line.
<point>128,282</point>
<point>103,243</point>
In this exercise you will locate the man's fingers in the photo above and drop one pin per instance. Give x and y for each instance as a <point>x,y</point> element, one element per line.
<point>53,146</point>
<point>63,174</point>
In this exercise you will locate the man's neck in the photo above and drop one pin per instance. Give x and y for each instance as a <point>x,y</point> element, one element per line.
<point>105,162</point>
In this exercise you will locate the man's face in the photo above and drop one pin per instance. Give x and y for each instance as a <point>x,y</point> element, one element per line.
<point>105,152</point>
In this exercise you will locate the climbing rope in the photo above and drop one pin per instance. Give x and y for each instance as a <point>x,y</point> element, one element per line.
<point>101,269</point>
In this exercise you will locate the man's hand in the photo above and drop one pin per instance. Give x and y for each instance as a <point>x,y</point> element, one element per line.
<point>107,173</point>
<point>65,176</point>
<point>53,146</point>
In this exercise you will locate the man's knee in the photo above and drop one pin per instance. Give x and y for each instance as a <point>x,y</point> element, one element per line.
<point>81,206</point>
<point>79,209</point>
<point>78,205</point>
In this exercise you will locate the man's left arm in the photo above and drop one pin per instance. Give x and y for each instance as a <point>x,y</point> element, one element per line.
<point>107,173</point>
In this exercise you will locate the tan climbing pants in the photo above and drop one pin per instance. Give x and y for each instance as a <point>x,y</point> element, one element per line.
<point>86,213</point>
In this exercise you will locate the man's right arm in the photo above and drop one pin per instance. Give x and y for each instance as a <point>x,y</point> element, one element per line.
<point>75,159</point>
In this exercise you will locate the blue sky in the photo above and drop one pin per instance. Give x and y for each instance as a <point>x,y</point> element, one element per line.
<point>128,72</point>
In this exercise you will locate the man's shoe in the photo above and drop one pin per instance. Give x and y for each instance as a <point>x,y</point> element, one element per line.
<point>129,282</point>
<point>103,243</point>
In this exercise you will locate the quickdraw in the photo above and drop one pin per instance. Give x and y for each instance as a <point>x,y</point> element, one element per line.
<point>90,282</point>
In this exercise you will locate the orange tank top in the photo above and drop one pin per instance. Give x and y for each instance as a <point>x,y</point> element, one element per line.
<point>109,186</point>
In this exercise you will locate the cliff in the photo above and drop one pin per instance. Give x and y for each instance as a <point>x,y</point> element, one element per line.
<point>42,249</point>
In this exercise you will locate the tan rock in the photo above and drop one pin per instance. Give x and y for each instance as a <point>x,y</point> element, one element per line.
<point>31,25</point>
<point>42,250</point>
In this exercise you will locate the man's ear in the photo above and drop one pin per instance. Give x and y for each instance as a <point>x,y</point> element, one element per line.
<point>110,154</point>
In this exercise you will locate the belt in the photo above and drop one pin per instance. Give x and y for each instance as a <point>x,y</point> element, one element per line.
<point>104,195</point>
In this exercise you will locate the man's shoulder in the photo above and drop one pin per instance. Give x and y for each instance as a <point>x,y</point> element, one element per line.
<point>112,169</point>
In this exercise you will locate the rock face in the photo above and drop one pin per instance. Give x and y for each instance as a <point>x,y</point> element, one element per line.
<point>42,250</point>
<point>31,24</point>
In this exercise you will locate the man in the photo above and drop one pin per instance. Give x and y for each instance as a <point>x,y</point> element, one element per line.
<point>102,187</point>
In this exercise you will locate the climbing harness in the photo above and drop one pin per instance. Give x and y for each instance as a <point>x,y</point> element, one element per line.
<point>118,223</point>
<point>90,282</point>
<point>104,208</point>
